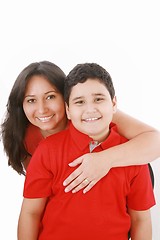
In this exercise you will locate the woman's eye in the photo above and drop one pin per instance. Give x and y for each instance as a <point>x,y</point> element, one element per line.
<point>31,100</point>
<point>50,96</point>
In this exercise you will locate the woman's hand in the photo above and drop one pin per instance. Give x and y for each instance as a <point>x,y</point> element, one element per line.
<point>92,168</point>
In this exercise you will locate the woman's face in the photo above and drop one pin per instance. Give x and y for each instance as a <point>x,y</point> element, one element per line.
<point>44,105</point>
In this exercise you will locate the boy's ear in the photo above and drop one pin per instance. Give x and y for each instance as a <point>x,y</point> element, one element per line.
<point>114,104</point>
<point>67,111</point>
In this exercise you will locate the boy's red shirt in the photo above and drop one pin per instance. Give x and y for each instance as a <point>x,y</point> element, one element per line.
<point>99,214</point>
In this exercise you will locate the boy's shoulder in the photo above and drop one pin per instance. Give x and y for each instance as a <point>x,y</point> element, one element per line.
<point>56,138</point>
<point>115,133</point>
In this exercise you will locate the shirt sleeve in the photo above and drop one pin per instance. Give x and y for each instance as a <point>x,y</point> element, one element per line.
<point>141,196</point>
<point>32,138</point>
<point>39,177</point>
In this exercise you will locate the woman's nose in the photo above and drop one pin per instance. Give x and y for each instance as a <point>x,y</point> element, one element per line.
<point>42,107</point>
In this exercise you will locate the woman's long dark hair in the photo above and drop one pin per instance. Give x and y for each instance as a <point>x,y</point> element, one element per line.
<point>15,122</point>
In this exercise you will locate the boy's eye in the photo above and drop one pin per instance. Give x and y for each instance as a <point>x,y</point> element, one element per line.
<point>80,102</point>
<point>98,99</point>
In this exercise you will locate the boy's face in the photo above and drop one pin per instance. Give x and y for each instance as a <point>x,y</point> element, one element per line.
<point>91,109</point>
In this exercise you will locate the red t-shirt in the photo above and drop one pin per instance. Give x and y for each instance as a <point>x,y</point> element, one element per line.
<point>33,137</point>
<point>102,212</point>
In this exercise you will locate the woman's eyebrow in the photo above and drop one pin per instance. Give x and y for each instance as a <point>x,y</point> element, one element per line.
<point>55,91</point>
<point>33,95</point>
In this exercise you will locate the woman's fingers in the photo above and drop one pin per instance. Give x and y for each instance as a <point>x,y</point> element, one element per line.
<point>76,162</point>
<point>92,168</point>
<point>78,182</point>
<point>76,173</point>
<point>86,186</point>
<point>73,176</point>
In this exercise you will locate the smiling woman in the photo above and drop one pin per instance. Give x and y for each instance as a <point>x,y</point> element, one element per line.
<point>36,106</point>
<point>43,105</point>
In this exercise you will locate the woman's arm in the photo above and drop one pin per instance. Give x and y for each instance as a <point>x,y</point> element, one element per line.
<point>129,126</point>
<point>143,147</point>
<point>30,217</point>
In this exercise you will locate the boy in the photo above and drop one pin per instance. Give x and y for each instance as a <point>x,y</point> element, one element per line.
<point>120,201</point>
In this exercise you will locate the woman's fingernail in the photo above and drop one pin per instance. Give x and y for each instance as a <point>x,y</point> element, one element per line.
<point>66,189</point>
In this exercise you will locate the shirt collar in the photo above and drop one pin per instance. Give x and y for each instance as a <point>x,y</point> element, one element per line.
<point>82,140</point>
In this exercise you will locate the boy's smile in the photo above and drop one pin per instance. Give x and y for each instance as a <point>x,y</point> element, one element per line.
<point>90,119</point>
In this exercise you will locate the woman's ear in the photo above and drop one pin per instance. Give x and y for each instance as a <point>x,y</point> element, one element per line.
<point>114,101</point>
<point>67,111</point>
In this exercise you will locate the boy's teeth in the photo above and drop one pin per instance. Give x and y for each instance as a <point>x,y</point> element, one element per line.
<point>91,119</point>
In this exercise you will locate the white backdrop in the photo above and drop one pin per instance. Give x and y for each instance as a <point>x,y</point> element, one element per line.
<point>122,36</point>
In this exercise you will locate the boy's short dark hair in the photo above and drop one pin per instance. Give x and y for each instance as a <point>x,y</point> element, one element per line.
<point>81,72</point>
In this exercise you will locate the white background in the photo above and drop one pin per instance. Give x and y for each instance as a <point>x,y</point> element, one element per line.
<point>122,36</point>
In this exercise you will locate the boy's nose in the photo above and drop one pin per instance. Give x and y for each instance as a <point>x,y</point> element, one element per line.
<point>91,107</point>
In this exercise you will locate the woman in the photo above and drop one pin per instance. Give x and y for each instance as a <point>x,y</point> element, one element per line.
<point>35,114</point>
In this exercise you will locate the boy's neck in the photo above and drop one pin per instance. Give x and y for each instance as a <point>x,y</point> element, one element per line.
<point>100,138</point>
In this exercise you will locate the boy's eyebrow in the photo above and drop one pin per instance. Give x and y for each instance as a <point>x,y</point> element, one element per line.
<point>98,94</point>
<point>93,94</point>
<point>77,98</point>
<point>32,95</point>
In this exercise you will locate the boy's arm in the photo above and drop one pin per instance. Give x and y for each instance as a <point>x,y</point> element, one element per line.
<point>30,217</point>
<point>141,227</point>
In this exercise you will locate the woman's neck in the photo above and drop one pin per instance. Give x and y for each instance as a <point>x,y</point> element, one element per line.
<point>60,127</point>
